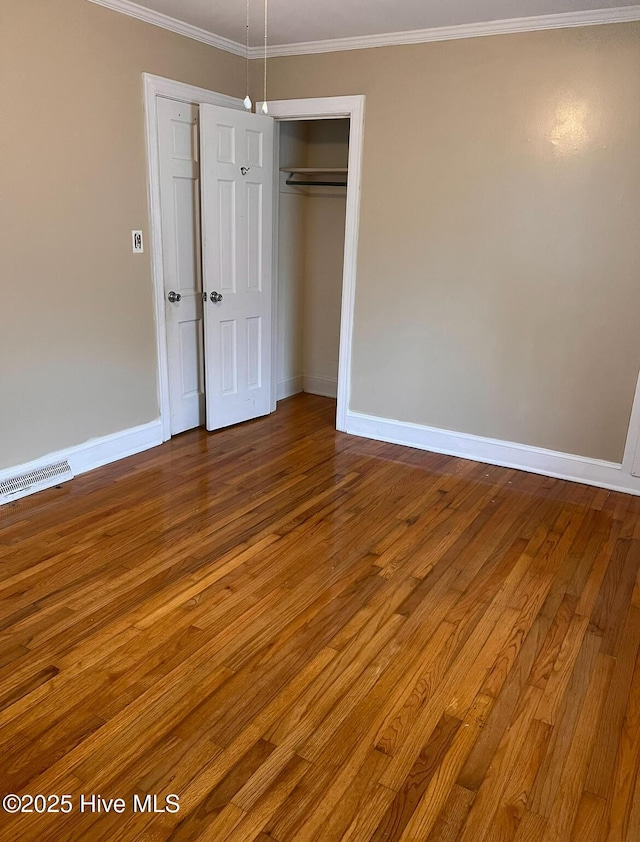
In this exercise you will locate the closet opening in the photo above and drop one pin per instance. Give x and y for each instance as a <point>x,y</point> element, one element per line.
<point>311,201</point>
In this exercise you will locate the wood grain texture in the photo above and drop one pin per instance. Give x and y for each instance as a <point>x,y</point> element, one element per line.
<point>311,637</point>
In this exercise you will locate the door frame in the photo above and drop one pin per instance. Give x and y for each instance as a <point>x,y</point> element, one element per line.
<point>326,108</point>
<point>323,108</point>
<point>155,86</point>
<point>631,458</point>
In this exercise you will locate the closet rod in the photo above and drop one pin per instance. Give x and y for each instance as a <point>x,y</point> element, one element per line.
<point>293,183</point>
<point>314,171</point>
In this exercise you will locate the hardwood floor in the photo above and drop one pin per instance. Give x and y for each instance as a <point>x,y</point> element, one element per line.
<point>309,636</point>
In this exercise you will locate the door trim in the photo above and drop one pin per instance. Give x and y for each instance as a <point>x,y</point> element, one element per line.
<point>155,86</point>
<point>631,458</point>
<point>327,108</point>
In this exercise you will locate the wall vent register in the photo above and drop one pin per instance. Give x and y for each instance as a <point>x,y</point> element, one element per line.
<point>36,480</point>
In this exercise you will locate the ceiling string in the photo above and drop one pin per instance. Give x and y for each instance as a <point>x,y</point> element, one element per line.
<point>247,100</point>
<point>265,108</point>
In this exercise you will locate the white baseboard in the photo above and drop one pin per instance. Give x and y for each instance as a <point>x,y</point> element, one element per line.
<point>536,460</point>
<point>96,452</point>
<point>316,384</point>
<point>287,388</point>
<point>102,451</point>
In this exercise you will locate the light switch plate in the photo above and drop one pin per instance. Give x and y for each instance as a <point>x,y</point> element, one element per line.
<point>136,239</point>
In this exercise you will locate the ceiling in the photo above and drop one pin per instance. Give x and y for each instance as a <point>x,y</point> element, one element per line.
<point>299,21</point>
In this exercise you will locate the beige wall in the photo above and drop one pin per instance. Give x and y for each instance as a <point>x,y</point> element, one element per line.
<point>76,320</point>
<point>498,290</point>
<point>291,263</point>
<point>498,263</point>
<point>324,251</point>
<point>328,144</point>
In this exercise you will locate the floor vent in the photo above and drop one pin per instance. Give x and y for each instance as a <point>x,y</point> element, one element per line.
<point>32,481</point>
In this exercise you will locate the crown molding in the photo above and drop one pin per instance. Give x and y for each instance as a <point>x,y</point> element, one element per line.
<point>447,33</point>
<point>598,17</point>
<point>133,10</point>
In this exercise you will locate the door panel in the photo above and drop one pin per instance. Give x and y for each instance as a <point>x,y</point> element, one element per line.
<point>254,237</point>
<point>180,209</point>
<point>190,355</point>
<point>229,357</point>
<point>228,239</point>
<point>237,188</point>
<point>254,360</point>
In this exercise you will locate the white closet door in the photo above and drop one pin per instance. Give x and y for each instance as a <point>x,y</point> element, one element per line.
<point>180,203</point>
<point>237,187</point>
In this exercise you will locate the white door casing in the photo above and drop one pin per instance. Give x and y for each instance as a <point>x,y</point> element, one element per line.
<point>631,457</point>
<point>327,108</point>
<point>237,232</point>
<point>180,209</point>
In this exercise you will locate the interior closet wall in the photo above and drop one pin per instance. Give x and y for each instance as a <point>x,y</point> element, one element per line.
<point>311,250</point>
<point>291,264</point>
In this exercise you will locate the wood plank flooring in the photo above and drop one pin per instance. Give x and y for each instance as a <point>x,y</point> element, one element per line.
<point>309,636</point>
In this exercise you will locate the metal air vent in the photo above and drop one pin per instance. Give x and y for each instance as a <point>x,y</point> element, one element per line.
<point>32,481</point>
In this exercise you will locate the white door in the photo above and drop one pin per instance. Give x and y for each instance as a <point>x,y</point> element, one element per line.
<point>180,212</point>
<point>237,189</point>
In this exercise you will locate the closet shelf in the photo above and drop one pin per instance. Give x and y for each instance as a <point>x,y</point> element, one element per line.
<point>315,171</point>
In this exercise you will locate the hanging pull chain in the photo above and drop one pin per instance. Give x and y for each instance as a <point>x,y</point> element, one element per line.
<point>247,100</point>
<point>265,108</point>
